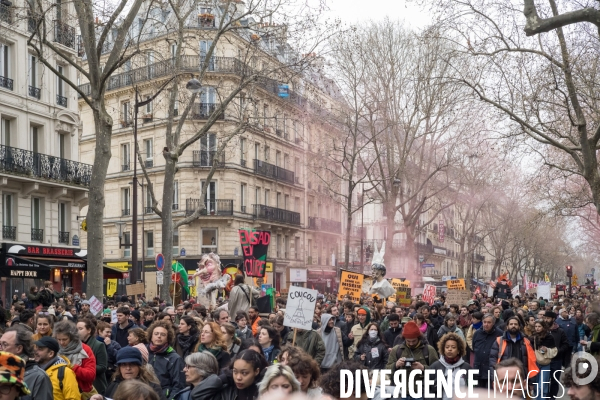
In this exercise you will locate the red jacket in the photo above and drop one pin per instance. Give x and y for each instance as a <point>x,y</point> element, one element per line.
<point>86,372</point>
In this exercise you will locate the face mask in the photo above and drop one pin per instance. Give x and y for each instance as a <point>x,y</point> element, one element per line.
<point>373,334</point>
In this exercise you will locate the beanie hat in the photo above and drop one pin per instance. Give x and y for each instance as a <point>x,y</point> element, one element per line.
<point>129,355</point>
<point>411,331</point>
<point>144,350</point>
<point>362,311</point>
<point>550,314</point>
<point>12,371</point>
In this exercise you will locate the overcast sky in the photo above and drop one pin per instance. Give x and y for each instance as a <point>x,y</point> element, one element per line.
<point>352,11</point>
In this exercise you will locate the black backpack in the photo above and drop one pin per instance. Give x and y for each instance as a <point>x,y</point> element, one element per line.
<point>46,298</point>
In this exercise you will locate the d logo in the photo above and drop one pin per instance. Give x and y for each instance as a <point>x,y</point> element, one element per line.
<point>586,361</point>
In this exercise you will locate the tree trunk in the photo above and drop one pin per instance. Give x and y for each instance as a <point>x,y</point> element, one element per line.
<point>167,222</point>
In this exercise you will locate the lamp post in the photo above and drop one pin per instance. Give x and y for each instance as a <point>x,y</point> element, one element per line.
<point>194,86</point>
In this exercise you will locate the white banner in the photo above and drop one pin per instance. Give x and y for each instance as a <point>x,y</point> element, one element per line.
<point>300,308</point>
<point>543,290</point>
<point>515,291</point>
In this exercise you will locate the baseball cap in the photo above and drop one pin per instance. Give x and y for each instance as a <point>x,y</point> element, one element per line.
<point>12,371</point>
<point>49,342</point>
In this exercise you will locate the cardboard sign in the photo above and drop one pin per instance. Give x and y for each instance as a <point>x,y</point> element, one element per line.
<point>515,291</point>
<point>254,248</point>
<point>457,284</point>
<point>300,308</point>
<point>95,305</point>
<point>351,284</point>
<point>403,296</point>
<point>429,294</point>
<point>460,297</point>
<point>136,288</point>
<point>543,290</point>
<point>367,283</point>
<point>113,317</point>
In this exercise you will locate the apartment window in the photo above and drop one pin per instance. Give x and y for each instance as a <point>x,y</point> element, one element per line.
<point>286,247</point>
<point>125,157</point>
<point>176,195</point>
<point>286,201</point>
<point>125,114</point>
<point>211,196</point>
<point>125,201</point>
<point>297,204</point>
<point>278,247</point>
<point>209,241</point>
<point>286,161</point>
<point>208,148</point>
<point>5,65</point>
<point>60,83</point>
<point>5,125</point>
<point>33,72</point>
<point>278,200</point>
<point>176,108</point>
<point>267,153</point>
<point>173,50</point>
<point>297,248</point>
<point>149,150</point>
<point>36,219</point>
<point>149,244</point>
<point>205,46</point>
<point>297,169</point>
<point>63,217</point>
<point>243,152</point>
<point>256,151</point>
<point>149,105</point>
<point>7,213</point>
<point>35,139</point>
<point>278,158</point>
<point>309,249</point>
<point>243,188</point>
<point>175,243</point>
<point>267,195</point>
<point>257,195</point>
<point>127,239</point>
<point>62,145</point>
<point>150,62</point>
<point>148,209</point>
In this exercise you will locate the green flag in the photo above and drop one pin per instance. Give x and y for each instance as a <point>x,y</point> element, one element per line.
<point>180,275</point>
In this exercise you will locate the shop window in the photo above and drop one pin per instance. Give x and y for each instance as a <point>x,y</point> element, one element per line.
<point>149,244</point>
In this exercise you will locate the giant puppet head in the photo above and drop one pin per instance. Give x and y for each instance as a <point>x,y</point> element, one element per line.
<point>381,286</point>
<point>209,268</point>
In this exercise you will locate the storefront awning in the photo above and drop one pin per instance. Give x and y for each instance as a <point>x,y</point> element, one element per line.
<point>110,272</point>
<point>21,267</point>
<point>77,263</point>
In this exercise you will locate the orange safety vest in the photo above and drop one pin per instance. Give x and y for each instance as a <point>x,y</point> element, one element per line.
<point>531,366</point>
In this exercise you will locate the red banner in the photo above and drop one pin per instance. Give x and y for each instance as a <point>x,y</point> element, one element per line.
<point>429,294</point>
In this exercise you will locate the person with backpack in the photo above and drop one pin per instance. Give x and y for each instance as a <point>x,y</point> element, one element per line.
<point>64,382</point>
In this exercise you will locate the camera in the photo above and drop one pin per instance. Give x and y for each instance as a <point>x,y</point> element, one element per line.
<point>408,362</point>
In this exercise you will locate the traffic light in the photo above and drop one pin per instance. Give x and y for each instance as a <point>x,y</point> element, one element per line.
<point>569,271</point>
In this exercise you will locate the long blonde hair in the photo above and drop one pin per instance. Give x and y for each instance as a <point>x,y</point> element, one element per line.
<point>218,339</point>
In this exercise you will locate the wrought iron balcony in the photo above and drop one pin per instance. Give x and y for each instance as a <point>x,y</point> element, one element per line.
<point>63,237</point>
<point>35,92</point>
<point>206,22</point>
<point>37,235</point>
<point>175,207</point>
<point>203,158</point>
<point>125,212</point>
<point>204,111</point>
<point>125,166</point>
<point>9,232</point>
<point>148,210</point>
<point>6,13</point>
<point>28,163</point>
<point>276,214</point>
<point>61,100</point>
<point>64,34</point>
<point>325,225</point>
<point>211,207</point>
<point>272,171</point>
<point>6,83</point>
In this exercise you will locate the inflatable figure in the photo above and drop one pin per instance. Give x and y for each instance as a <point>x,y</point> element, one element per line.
<point>381,287</point>
<point>211,280</point>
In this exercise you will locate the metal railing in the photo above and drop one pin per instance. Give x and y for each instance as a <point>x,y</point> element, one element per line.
<point>175,207</point>
<point>276,214</point>
<point>323,224</point>
<point>211,207</point>
<point>272,171</point>
<point>125,166</point>
<point>63,237</point>
<point>35,92</point>
<point>202,158</point>
<point>37,235</point>
<point>148,210</point>
<point>205,110</point>
<point>25,162</point>
<point>6,14</point>
<point>61,100</point>
<point>64,34</point>
<point>125,212</point>
<point>6,83</point>
<point>9,232</point>
<point>204,22</point>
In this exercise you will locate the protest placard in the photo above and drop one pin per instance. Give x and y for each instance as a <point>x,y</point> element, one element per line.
<point>300,308</point>
<point>254,249</point>
<point>95,305</point>
<point>397,284</point>
<point>456,284</point>
<point>460,297</point>
<point>351,284</point>
<point>543,290</point>
<point>135,289</point>
<point>429,293</point>
<point>403,296</point>
<point>515,291</point>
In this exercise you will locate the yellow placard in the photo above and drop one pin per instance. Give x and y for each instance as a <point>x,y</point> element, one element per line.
<point>193,292</point>
<point>403,299</point>
<point>111,287</point>
<point>351,284</point>
<point>269,267</point>
<point>397,284</point>
<point>458,284</point>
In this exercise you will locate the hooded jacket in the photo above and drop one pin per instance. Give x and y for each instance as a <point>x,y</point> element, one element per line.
<point>376,354</point>
<point>333,354</point>
<point>112,388</point>
<point>168,367</point>
<point>70,389</point>
<point>359,330</point>
<point>37,381</point>
<point>442,365</point>
<point>101,355</point>
<point>455,329</point>
<point>120,335</point>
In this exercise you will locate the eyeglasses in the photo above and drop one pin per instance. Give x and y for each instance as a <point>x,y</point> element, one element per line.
<point>5,345</point>
<point>5,389</point>
<point>188,367</point>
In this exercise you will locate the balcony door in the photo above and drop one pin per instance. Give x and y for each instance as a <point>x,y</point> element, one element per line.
<point>210,200</point>
<point>204,48</point>
<point>208,148</point>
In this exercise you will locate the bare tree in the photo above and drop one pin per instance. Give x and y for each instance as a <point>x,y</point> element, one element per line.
<point>578,12</point>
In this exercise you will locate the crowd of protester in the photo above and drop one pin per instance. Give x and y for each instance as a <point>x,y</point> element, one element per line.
<point>53,347</point>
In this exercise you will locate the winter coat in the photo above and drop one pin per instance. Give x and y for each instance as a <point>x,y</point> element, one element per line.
<point>70,388</point>
<point>569,326</point>
<point>482,344</point>
<point>111,352</point>
<point>418,354</point>
<point>436,321</point>
<point>390,335</point>
<point>358,331</point>
<point>461,365</point>
<point>594,345</point>
<point>444,329</point>
<point>34,299</point>
<point>230,391</point>
<point>273,356</point>
<point>101,355</point>
<point>502,291</point>
<point>376,354</point>
<point>239,299</point>
<point>120,335</point>
<point>311,342</point>
<point>192,349</point>
<point>206,390</point>
<point>503,347</point>
<point>562,345</point>
<point>247,334</point>
<point>168,367</point>
<point>112,388</point>
<point>86,371</point>
<point>38,382</point>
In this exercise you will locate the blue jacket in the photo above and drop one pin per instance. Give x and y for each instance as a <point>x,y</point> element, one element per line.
<point>482,345</point>
<point>569,326</point>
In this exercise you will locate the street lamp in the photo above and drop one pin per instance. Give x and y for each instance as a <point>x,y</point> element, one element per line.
<point>194,86</point>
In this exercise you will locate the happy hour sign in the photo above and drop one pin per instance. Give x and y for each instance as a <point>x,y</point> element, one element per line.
<point>254,248</point>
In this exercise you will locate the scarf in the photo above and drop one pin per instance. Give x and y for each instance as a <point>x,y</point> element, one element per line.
<point>215,351</point>
<point>267,351</point>
<point>185,343</point>
<point>158,349</point>
<point>74,352</point>
<point>477,325</point>
<point>451,360</point>
<point>423,327</point>
<point>416,346</point>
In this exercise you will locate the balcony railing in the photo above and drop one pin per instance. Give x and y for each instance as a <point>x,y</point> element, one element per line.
<point>6,13</point>
<point>175,207</point>
<point>148,210</point>
<point>9,232</point>
<point>61,100</point>
<point>37,235</point>
<point>6,83</point>
<point>276,214</point>
<point>28,163</point>
<point>325,225</point>
<point>204,22</point>
<point>63,237</point>
<point>205,110</point>
<point>35,92</point>
<point>125,166</point>
<point>211,207</point>
<point>272,171</point>
<point>125,212</point>
<point>207,159</point>
<point>32,21</point>
<point>64,34</point>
